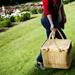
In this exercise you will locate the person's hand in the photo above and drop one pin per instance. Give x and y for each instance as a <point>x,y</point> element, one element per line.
<point>52,28</point>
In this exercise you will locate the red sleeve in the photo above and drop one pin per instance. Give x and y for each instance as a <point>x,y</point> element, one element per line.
<point>46,8</point>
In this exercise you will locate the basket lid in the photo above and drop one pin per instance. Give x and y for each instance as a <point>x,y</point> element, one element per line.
<point>55,44</point>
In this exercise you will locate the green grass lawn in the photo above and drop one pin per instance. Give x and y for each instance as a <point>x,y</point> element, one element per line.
<point>20,45</point>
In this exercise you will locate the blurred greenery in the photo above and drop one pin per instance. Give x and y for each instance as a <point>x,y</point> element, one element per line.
<point>9,2</point>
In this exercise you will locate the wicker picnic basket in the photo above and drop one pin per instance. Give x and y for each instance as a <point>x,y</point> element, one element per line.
<point>56,53</point>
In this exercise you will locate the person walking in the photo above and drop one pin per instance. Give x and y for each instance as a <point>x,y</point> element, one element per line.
<point>53,18</point>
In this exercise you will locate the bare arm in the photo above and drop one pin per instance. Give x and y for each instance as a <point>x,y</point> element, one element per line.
<point>51,22</point>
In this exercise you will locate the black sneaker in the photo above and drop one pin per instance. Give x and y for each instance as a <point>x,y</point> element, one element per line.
<point>40,66</point>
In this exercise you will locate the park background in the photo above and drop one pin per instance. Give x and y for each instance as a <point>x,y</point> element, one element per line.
<point>21,37</point>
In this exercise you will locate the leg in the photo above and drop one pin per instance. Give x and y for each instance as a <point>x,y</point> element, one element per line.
<point>39,58</point>
<point>40,62</point>
<point>46,25</point>
<point>48,33</point>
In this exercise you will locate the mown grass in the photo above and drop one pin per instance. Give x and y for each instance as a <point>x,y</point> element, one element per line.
<point>20,45</point>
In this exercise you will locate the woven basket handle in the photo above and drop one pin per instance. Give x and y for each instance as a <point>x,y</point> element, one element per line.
<point>52,34</point>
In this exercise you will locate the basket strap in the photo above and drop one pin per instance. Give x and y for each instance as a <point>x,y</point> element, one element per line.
<point>52,34</point>
<point>60,34</point>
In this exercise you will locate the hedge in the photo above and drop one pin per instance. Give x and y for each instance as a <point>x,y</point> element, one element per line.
<point>5,23</point>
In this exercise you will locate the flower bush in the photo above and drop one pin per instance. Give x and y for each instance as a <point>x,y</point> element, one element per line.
<point>40,10</point>
<point>5,23</point>
<point>22,17</point>
<point>34,10</point>
<point>12,19</point>
<point>67,1</point>
<point>25,16</point>
<point>17,18</point>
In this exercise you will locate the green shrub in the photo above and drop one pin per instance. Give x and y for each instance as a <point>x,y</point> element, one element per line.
<point>34,10</point>
<point>17,18</point>
<point>40,10</point>
<point>67,1</point>
<point>25,16</point>
<point>1,18</point>
<point>8,22</point>
<point>28,16</point>
<point>5,23</point>
<point>12,19</point>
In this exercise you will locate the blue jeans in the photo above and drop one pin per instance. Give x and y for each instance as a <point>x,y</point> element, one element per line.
<point>47,26</point>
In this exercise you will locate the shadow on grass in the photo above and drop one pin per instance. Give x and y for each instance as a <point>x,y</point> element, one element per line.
<point>3,29</point>
<point>70,71</point>
<point>7,27</point>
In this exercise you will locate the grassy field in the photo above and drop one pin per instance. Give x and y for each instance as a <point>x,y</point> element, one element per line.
<point>20,45</point>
